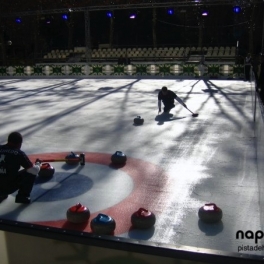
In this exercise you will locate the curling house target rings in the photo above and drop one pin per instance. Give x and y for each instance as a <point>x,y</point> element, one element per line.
<point>143,174</point>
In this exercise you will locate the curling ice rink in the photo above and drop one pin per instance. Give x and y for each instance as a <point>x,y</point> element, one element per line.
<point>175,165</point>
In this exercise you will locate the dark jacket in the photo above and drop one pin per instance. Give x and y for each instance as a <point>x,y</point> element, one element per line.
<point>168,98</point>
<point>11,160</point>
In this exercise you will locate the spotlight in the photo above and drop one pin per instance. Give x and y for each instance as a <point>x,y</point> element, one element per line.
<point>170,11</point>
<point>109,14</point>
<point>204,13</point>
<point>237,9</point>
<point>18,20</point>
<point>65,17</point>
<point>132,15</point>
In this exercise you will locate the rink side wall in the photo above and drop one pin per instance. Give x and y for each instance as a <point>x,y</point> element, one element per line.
<point>184,70</point>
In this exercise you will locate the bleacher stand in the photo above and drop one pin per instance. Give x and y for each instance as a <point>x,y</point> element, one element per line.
<point>146,54</point>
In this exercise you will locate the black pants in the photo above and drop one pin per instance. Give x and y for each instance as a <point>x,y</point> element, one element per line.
<point>261,86</point>
<point>168,107</point>
<point>247,72</point>
<point>261,94</point>
<point>23,182</point>
<point>256,77</point>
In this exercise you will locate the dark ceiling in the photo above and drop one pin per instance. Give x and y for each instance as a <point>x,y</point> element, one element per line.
<point>50,6</point>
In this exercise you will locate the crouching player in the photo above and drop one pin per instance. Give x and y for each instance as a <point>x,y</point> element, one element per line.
<point>12,179</point>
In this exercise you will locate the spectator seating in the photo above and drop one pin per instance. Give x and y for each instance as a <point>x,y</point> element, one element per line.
<point>143,54</point>
<point>58,54</point>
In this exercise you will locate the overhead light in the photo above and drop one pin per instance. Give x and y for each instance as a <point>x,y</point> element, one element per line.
<point>65,17</point>
<point>204,13</point>
<point>237,9</point>
<point>170,11</point>
<point>18,20</point>
<point>132,15</point>
<point>109,14</point>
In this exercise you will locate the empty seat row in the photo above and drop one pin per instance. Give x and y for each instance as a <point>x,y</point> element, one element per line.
<point>56,56</point>
<point>163,52</point>
<point>61,51</point>
<point>220,53</point>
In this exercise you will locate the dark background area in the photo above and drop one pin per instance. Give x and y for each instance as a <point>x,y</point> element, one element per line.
<point>33,37</point>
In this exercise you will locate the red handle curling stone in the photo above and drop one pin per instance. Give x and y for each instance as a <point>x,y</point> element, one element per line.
<point>143,219</point>
<point>210,213</point>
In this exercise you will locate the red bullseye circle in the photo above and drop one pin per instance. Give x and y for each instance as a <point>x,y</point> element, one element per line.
<point>151,190</point>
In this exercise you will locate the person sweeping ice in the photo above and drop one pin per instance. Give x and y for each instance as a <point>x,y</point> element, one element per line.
<point>167,97</point>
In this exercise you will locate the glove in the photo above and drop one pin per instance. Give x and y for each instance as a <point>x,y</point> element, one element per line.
<point>38,162</point>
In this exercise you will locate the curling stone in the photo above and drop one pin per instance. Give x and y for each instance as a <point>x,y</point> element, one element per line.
<point>118,158</point>
<point>143,219</point>
<point>103,224</point>
<point>78,214</point>
<point>46,170</point>
<point>138,120</point>
<point>210,213</point>
<point>72,159</point>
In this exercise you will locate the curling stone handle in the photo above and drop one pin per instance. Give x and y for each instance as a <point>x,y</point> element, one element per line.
<point>212,204</point>
<point>143,212</point>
